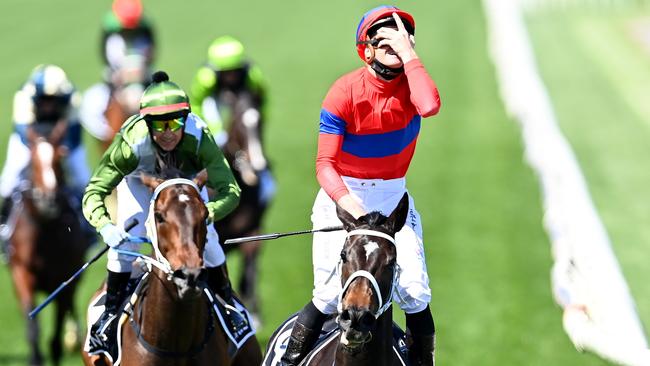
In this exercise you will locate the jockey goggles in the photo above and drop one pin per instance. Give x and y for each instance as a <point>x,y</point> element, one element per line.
<point>173,124</point>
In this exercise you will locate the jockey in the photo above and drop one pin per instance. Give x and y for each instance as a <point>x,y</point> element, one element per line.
<point>218,84</point>
<point>47,97</point>
<point>165,131</point>
<point>128,49</point>
<point>126,31</point>
<point>369,125</point>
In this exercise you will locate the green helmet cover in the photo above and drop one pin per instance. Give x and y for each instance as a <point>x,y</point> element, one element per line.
<point>226,53</point>
<point>163,97</point>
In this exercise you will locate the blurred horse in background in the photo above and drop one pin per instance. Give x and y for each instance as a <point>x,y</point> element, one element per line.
<point>244,152</point>
<point>47,244</point>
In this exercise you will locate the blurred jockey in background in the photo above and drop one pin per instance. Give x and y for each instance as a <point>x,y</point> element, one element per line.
<point>128,50</point>
<point>46,98</point>
<point>217,85</point>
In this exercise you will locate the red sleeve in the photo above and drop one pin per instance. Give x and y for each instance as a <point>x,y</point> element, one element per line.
<point>326,173</point>
<point>424,94</point>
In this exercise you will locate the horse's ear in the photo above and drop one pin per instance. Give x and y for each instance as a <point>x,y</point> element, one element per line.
<point>349,222</point>
<point>150,181</point>
<point>58,132</point>
<point>31,135</point>
<point>201,178</point>
<point>398,217</point>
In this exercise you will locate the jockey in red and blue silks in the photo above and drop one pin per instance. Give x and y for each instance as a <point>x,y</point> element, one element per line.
<point>369,125</point>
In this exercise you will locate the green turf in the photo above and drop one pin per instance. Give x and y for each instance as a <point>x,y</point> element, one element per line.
<point>488,257</point>
<point>598,74</point>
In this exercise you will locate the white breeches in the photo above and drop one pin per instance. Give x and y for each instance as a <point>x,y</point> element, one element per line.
<point>373,195</point>
<point>18,156</point>
<point>133,202</point>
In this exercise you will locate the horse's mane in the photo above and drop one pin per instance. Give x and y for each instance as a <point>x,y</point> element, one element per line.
<point>167,165</point>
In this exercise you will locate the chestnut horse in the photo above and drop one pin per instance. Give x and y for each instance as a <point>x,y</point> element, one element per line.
<point>47,244</point>
<point>171,322</point>
<point>244,153</point>
<point>369,274</point>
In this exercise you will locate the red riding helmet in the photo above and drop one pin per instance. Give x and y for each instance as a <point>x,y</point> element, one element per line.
<point>372,16</point>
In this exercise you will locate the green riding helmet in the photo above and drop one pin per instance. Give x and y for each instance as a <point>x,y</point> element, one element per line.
<point>226,53</point>
<point>163,99</point>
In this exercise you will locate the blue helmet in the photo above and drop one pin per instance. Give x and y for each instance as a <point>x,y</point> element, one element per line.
<point>49,81</point>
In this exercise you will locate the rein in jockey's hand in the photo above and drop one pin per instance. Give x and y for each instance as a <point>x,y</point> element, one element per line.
<point>398,39</point>
<point>113,235</point>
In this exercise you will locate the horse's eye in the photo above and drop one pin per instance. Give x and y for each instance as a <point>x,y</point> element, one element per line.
<point>343,257</point>
<point>159,217</point>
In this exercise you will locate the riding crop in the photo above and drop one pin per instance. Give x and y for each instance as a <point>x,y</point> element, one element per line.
<point>279,235</point>
<point>130,225</point>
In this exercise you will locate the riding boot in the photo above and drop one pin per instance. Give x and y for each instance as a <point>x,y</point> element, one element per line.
<point>304,335</point>
<point>219,283</point>
<point>103,332</point>
<point>420,338</point>
<point>421,349</point>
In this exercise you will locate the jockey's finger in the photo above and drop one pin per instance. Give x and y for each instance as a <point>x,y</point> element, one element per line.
<point>412,39</point>
<point>400,25</point>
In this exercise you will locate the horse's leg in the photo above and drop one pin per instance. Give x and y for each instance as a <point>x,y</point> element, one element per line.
<point>249,354</point>
<point>62,307</point>
<point>248,280</point>
<point>24,283</point>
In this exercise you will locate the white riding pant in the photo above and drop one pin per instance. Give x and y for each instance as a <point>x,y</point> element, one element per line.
<point>373,195</point>
<point>18,157</point>
<point>133,199</point>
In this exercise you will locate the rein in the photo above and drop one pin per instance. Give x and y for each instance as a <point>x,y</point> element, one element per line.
<point>383,305</point>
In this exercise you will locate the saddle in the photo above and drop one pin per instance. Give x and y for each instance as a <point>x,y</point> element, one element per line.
<point>329,333</point>
<point>236,337</point>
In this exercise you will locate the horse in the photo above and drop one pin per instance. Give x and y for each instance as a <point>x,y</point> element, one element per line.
<point>47,243</point>
<point>368,273</point>
<point>243,151</point>
<point>170,322</point>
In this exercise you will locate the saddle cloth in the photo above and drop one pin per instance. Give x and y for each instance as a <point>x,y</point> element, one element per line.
<point>329,333</point>
<point>236,337</point>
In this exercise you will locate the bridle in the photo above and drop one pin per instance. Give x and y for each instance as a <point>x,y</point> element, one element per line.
<point>384,304</point>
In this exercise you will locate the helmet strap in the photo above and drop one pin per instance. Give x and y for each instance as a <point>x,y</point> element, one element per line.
<point>384,71</point>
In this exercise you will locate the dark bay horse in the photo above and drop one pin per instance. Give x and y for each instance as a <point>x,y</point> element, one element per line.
<point>245,154</point>
<point>369,274</point>
<point>47,244</point>
<point>171,322</point>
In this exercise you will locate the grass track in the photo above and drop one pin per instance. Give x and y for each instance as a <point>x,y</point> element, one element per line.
<point>488,257</point>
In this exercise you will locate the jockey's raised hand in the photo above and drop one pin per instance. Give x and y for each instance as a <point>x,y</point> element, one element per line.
<point>112,235</point>
<point>398,39</point>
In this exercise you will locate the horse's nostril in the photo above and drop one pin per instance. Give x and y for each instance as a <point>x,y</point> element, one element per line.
<point>367,319</point>
<point>345,315</point>
<point>180,274</point>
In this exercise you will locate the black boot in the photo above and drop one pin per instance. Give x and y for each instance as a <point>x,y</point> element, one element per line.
<point>304,334</point>
<point>420,338</point>
<point>103,332</point>
<point>219,283</point>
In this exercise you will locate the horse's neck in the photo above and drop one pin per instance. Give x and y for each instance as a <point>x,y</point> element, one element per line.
<point>169,323</point>
<point>379,351</point>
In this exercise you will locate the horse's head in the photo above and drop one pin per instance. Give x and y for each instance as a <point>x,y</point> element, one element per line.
<point>177,227</point>
<point>244,145</point>
<point>368,271</point>
<point>47,175</point>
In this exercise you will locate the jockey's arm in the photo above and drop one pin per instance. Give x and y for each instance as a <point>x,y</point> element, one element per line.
<point>118,161</point>
<point>257,84</point>
<point>220,179</point>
